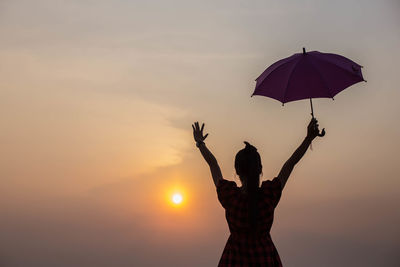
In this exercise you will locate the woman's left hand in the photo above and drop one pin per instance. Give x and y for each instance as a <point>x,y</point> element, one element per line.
<point>198,132</point>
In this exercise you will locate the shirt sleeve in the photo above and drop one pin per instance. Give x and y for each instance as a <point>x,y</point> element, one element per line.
<point>272,191</point>
<point>226,191</point>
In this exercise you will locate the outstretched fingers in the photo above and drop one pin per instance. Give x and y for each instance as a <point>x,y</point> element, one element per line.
<point>202,128</point>
<point>198,131</point>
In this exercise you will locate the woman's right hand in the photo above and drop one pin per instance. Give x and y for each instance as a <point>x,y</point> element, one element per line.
<point>198,132</point>
<point>313,131</point>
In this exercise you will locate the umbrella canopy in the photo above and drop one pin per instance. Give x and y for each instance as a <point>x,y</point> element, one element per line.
<point>308,75</point>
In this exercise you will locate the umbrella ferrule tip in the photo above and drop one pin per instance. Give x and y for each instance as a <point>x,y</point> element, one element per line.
<point>304,50</point>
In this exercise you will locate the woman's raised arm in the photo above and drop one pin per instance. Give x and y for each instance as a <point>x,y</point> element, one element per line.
<point>312,132</point>
<point>207,155</point>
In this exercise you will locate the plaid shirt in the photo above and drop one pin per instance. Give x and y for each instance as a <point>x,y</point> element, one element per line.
<point>249,245</point>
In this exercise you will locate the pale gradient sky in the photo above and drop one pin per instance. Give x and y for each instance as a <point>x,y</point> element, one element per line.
<point>96,102</point>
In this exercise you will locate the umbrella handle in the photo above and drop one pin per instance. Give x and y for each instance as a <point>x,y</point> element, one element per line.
<point>312,113</point>
<point>322,133</point>
<point>312,110</point>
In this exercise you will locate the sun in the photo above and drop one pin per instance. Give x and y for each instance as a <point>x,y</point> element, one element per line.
<point>177,198</point>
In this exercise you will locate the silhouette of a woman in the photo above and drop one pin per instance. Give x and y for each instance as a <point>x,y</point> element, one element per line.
<point>249,209</point>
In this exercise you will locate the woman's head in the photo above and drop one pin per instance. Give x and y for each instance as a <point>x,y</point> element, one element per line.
<point>248,165</point>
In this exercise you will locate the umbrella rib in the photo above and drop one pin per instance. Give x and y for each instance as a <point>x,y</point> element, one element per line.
<point>278,67</point>
<point>290,76</point>
<point>340,67</point>
<point>322,78</point>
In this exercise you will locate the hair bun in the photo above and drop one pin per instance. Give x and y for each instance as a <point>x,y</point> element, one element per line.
<point>249,147</point>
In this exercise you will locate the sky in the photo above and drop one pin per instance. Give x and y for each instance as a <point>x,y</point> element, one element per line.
<point>97,99</point>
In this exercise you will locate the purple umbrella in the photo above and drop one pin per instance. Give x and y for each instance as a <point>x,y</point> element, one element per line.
<point>308,75</point>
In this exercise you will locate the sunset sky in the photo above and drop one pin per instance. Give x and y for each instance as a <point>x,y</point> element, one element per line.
<point>97,99</point>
